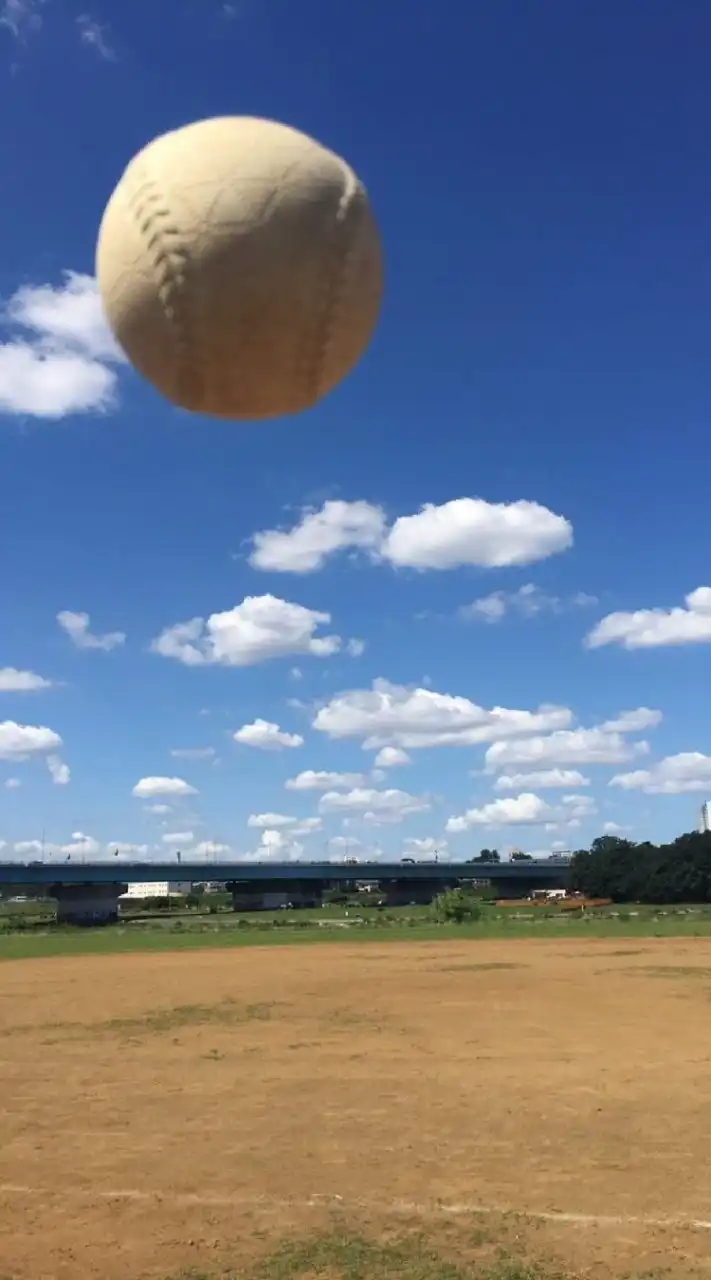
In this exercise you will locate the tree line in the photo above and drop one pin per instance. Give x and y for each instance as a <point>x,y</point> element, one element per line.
<point>628,872</point>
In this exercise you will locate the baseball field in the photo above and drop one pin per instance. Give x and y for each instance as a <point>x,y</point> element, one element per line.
<point>425,1111</point>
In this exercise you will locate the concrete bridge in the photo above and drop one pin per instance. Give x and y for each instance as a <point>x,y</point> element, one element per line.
<point>87,893</point>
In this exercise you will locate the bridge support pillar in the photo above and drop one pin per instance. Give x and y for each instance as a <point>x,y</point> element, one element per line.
<point>270,896</point>
<point>400,893</point>
<point>87,904</point>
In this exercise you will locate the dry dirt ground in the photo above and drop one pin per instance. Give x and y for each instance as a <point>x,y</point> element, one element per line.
<point>182,1114</point>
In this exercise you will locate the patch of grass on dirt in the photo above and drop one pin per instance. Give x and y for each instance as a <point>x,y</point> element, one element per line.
<point>481,967</point>
<point>353,1257</point>
<point>225,1012</point>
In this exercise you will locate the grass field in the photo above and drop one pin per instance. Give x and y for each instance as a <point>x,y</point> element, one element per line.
<point>508,1108</point>
<point>180,932</point>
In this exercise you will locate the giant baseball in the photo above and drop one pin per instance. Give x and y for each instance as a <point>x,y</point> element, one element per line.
<point>240,267</point>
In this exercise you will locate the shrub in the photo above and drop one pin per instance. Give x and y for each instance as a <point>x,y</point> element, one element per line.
<point>456,906</point>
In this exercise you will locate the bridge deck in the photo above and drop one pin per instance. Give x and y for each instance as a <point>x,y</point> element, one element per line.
<point>541,873</point>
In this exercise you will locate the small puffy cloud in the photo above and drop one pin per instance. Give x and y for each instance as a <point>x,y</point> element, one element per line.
<point>257,630</point>
<point>527,602</point>
<point>338,526</point>
<point>146,788</point>
<point>542,779</point>
<point>264,820</point>
<point>278,846</point>
<point>429,844</point>
<point>81,846</point>
<point>21,17</point>
<point>355,648</point>
<point>652,628</point>
<point>324,780</point>
<point>526,809</point>
<point>60,356</point>
<point>393,715</point>
<point>391,757</point>
<point>267,736</point>
<point>211,849</point>
<point>470,531</point>
<point>76,626</point>
<point>564,747</point>
<point>375,806</point>
<point>14,681</point>
<point>158,808</point>
<point>95,36</point>
<point>11,784</point>
<point>633,721</point>
<point>686,772</point>
<point>59,771</point>
<point>178,837</point>
<point>614,829</point>
<point>19,741</point>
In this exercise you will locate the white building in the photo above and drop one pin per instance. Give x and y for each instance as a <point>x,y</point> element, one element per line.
<point>705,821</point>
<point>157,889</point>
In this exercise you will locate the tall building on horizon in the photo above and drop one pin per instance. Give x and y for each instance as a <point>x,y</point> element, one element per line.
<point>705,822</point>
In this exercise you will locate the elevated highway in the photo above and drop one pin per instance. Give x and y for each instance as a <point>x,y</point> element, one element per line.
<point>88,892</point>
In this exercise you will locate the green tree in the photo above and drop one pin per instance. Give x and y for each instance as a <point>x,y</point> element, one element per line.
<point>456,906</point>
<point>519,856</point>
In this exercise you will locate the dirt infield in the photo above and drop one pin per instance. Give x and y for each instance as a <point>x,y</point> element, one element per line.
<point>180,1114</point>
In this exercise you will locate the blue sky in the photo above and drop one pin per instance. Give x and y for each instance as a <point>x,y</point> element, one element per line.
<point>540,177</point>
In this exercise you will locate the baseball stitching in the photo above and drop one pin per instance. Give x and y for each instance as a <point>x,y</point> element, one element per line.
<point>169,258</point>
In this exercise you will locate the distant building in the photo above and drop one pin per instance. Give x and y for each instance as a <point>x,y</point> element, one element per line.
<point>157,889</point>
<point>705,821</point>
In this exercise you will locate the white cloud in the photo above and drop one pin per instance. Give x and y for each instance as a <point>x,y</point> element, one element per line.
<point>393,715</point>
<point>258,629</point>
<point>613,829</point>
<point>211,849</point>
<point>375,806</point>
<point>81,846</point>
<point>146,788</point>
<point>674,775</point>
<point>427,845</point>
<point>262,820</point>
<point>158,808</point>
<point>305,826</point>
<point>526,809</point>
<point>338,526</point>
<point>528,601</point>
<point>178,837</point>
<point>267,736</point>
<point>323,780</point>
<point>126,850</point>
<point>76,626</point>
<point>60,359</point>
<point>14,681</point>
<point>60,772</point>
<point>277,845</point>
<point>470,531</point>
<point>542,779</point>
<point>21,17</point>
<point>29,846</point>
<point>564,747</point>
<point>193,753</point>
<point>651,628</point>
<point>355,648</point>
<point>391,757</point>
<point>633,721</point>
<point>465,531</point>
<point>18,741</point>
<point>93,34</point>
<point>11,784</point>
